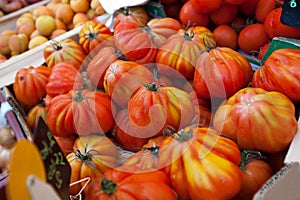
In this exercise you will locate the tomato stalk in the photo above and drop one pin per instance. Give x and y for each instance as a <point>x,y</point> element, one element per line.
<point>248,156</point>
<point>85,157</point>
<point>153,150</point>
<point>56,45</point>
<point>108,186</point>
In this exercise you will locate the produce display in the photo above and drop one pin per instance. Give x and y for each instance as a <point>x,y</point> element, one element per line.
<point>44,23</point>
<point>9,6</point>
<point>169,108</point>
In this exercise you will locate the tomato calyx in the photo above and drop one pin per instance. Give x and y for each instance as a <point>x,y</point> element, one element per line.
<point>56,45</point>
<point>249,155</point>
<point>108,186</point>
<point>153,150</point>
<point>91,34</point>
<point>85,157</point>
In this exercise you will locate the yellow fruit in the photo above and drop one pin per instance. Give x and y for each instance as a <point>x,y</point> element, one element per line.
<point>45,24</point>
<point>36,41</point>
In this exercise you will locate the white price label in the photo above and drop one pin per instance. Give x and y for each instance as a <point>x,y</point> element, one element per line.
<point>111,6</point>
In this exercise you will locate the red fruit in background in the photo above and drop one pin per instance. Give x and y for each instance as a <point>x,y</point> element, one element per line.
<point>263,51</point>
<point>235,2</point>
<point>225,36</point>
<point>172,10</point>
<point>252,38</point>
<point>263,8</point>
<point>275,28</point>
<point>248,7</point>
<point>206,6</point>
<point>224,14</point>
<point>168,2</point>
<point>188,16</point>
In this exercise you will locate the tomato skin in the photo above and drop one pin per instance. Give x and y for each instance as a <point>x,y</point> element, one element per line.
<point>206,6</point>
<point>220,73</point>
<point>236,116</point>
<point>34,113</point>
<point>274,27</point>
<point>153,185</point>
<point>135,14</point>
<point>63,78</point>
<point>67,50</point>
<point>280,67</point>
<point>255,172</point>
<point>29,84</point>
<point>92,156</point>
<point>135,43</point>
<point>248,7</point>
<point>152,108</point>
<point>263,51</point>
<point>224,14</point>
<point>226,36</point>
<point>122,78</point>
<point>93,34</point>
<point>199,161</point>
<point>263,8</point>
<point>252,38</point>
<point>98,65</point>
<point>68,112</point>
<point>66,143</point>
<point>235,2</point>
<point>188,16</point>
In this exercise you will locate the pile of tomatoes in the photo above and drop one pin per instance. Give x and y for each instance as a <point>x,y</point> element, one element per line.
<point>199,123</point>
<point>248,25</point>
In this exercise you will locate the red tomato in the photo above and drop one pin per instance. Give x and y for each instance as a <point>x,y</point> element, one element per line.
<point>66,143</point>
<point>263,51</point>
<point>257,119</point>
<point>248,7</point>
<point>189,17</point>
<point>34,115</point>
<point>275,28</point>
<point>255,172</point>
<point>206,6</point>
<point>225,36</point>
<point>173,10</point>
<point>263,8</point>
<point>224,14</point>
<point>235,2</point>
<point>30,83</point>
<point>238,23</point>
<point>252,38</point>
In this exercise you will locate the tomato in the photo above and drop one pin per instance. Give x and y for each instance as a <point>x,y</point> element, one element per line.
<point>119,184</point>
<point>189,17</point>
<point>162,28</point>
<point>168,2</point>
<point>67,50</point>
<point>263,51</point>
<point>238,23</point>
<point>220,73</point>
<point>80,112</point>
<point>225,36</point>
<point>172,10</point>
<point>29,84</point>
<point>252,38</point>
<point>92,156</point>
<point>224,14</point>
<point>200,161</point>
<point>135,43</point>
<point>255,172</point>
<point>136,14</point>
<point>206,6</point>
<point>147,157</point>
<point>257,120</point>
<point>125,135</point>
<point>122,78</point>
<point>180,51</point>
<point>235,2</point>
<point>247,8</point>
<point>274,27</point>
<point>63,78</point>
<point>152,108</point>
<point>99,63</point>
<point>93,34</point>
<point>66,143</point>
<point>263,8</point>
<point>35,113</point>
<point>282,66</point>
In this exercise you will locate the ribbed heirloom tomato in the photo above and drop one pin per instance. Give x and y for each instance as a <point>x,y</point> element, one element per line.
<point>257,120</point>
<point>280,72</point>
<point>29,85</point>
<point>81,112</point>
<point>221,72</point>
<point>201,164</point>
<point>91,157</point>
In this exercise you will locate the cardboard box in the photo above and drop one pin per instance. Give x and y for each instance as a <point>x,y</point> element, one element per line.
<point>8,22</point>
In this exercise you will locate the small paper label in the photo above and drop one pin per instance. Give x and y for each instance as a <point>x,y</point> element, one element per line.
<point>291,13</point>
